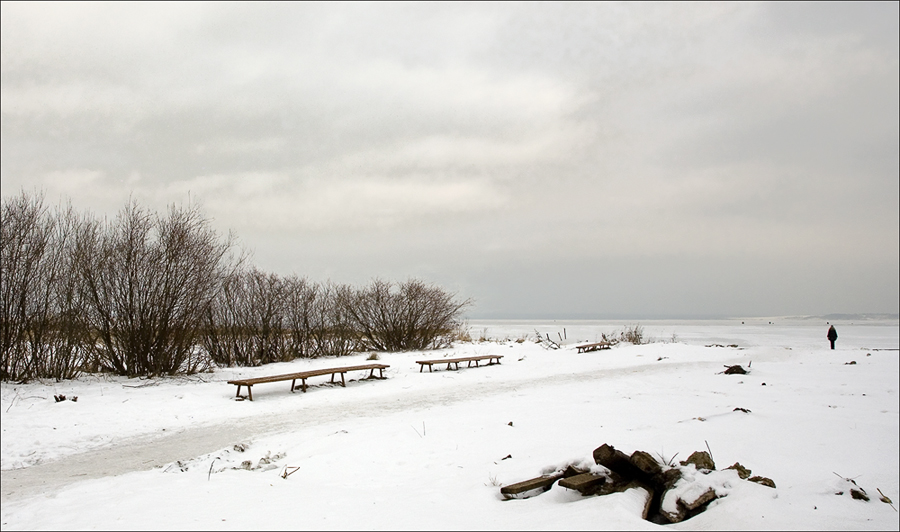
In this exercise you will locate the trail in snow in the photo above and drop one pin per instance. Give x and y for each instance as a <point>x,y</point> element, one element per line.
<point>155,450</point>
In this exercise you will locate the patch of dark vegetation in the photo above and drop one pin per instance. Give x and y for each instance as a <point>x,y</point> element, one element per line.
<point>148,294</point>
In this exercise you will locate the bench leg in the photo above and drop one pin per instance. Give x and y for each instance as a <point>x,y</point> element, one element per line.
<point>293,382</point>
<point>380,373</point>
<point>250,391</point>
<point>238,394</point>
<point>303,384</point>
<point>342,380</point>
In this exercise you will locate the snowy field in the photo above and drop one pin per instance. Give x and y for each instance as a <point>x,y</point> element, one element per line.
<point>428,451</point>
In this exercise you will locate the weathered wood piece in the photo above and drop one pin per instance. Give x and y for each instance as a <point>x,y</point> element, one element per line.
<point>693,501</point>
<point>587,348</point>
<point>303,375</point>
<point>456,361</point>
<point>615,460</point>
<point>646,463</point>
<point>542,483</point>
<point>586,483</point>
<point>648,498</point>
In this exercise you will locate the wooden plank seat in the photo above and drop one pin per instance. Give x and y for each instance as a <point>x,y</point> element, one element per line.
<point>303,375</point>
<point>593,347</point>
<point>456,361</point>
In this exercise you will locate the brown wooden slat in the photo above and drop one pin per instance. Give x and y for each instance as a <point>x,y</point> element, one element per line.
<point>461,359</point>
<point>305,374</point>
<point>528,485</point>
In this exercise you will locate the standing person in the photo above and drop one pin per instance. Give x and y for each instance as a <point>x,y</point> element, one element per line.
<point>832,335</point>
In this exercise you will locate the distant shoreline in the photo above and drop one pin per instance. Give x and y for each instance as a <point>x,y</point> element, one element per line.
<point>863,318</point>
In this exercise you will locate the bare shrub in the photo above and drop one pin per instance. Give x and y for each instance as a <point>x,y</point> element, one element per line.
<point>405,316</point>
<point>299,298</point>
<point>331,327</point>
<point>246,322</point>
<point>148,282</point>
<point>633,334</point>
<point>40,312</point>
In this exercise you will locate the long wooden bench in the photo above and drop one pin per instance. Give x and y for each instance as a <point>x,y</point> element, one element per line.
<point>303,375</point>
<point>456,361</point>
<point>593,347</point>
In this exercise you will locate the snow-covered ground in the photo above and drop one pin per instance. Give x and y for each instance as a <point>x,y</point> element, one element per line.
<point>430,450</point>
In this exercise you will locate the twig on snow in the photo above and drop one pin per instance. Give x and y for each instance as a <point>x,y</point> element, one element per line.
<point>210,468</point>
<point>285,474</point>
<point>884,498</point>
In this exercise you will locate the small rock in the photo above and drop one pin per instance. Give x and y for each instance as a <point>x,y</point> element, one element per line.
<point>851,363</point>
<point>859,494</point>
<point>742,471</point>
<point>735,370</point>
<point>701,460</point>
<point>762,480</point>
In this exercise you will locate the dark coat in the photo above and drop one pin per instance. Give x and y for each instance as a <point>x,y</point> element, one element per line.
<point>832,333</point>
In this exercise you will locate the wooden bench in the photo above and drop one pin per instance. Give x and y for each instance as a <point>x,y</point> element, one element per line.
<point>456,361</point>
<point>303,375</point>
<point>593,347</point>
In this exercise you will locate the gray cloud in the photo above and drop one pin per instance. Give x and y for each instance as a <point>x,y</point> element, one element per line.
<point>566,159</point>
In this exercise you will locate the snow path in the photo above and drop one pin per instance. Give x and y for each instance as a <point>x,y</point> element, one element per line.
<point>155,450</point>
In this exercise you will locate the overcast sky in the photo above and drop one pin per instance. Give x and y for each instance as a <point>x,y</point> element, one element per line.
<point>547,160</point>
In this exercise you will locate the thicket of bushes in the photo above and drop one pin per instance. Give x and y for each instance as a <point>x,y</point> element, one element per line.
<point>148,294</point>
